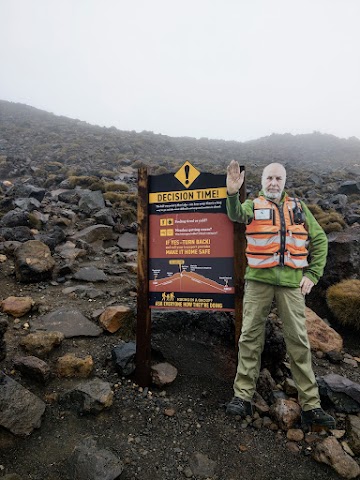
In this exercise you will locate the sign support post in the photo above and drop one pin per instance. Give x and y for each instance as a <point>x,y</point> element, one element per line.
<point>190,255</point>
<point>143,324</point>
<point>239,267</point>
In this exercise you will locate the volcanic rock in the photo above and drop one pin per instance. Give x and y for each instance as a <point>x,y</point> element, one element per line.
<point>20,410</point>
<point>321,336</point>
<point>17,306</point>
<point>33,262</point>
<point>330,452</point>
<point>69,321</point>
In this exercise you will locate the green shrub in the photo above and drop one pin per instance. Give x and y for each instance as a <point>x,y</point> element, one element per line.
<point>343,299</point>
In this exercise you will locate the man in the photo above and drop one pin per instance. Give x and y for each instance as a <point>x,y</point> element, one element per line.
<point>280,233</point>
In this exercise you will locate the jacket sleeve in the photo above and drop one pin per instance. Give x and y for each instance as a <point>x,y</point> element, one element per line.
<point>318,247</point>
<point>239,212</point>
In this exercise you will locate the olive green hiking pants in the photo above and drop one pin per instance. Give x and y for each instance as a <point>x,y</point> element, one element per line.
<point>290,303</point>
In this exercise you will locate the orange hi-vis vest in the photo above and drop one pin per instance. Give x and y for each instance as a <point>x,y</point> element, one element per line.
<point>273,237</point>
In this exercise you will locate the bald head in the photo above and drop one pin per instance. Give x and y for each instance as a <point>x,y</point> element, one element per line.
<point>273,180</point>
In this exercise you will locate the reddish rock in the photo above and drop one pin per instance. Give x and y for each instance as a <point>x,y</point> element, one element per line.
<point>17,306</point>
<point>321,336</point>
<point>285,412</point>
<point>330,452</point>
<point>115,317</point>
<point>295,435</point>
<point>33,367</point>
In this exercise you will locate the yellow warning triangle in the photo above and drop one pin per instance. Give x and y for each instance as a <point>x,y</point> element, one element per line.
<point>187,174</point>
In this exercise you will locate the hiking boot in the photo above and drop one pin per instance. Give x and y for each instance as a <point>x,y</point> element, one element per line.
<point>238,406</point>
<point>316,420</point>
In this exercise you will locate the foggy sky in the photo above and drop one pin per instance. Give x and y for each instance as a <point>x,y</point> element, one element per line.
<point>229,69</point>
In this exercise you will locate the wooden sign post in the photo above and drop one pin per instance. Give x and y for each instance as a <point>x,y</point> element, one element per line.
<point>143,324</point>
<point>186,251</point>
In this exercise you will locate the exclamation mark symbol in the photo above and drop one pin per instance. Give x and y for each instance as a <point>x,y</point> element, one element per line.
<point>187,169</point>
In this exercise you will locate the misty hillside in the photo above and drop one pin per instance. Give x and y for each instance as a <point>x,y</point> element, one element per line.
<point>30,137</point>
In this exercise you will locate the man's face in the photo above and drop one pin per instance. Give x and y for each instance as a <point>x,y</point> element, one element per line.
<point>273,180</point>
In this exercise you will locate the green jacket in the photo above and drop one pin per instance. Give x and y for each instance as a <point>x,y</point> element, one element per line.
<point>284,276</point>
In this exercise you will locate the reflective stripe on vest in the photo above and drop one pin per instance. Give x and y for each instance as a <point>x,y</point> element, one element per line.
<point>262,242</point>
<point>298,241</point>
<point>255,261</point>
<point>292,261</point>
<point>266,234</point>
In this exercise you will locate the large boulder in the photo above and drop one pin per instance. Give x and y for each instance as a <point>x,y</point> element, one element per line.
<point>353,432</point>
<point>94,233</point>
<point>27,204</point>
<point>17,306</point>
<point>33,367</point>
<point>340,392</point>
<point>69,321</point>
<point>17,234</point>
<point>89,397</point>
<point>123,357</point>
<point>33,262</point>
<point>91,201</point>
<point>349,187</point>
<point>286,413</point>
<point>331,453</point>
<point>41,344</point>
<point>321,336</point>
<point>15,218</point>
<point>343,258</point>
<point>20,410</point>
<point>89,462</point>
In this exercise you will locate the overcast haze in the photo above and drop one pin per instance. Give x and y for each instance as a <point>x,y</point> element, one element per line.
<point>230,69</point>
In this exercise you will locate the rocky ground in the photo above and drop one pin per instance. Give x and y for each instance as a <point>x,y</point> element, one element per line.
<point>165,432</point>
<point>68,412</point>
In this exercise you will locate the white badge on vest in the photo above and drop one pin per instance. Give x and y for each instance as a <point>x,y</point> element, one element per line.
<point>263,214</point>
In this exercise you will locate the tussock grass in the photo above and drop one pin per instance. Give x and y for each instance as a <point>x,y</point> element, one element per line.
<point>329,220</point>
<point>343,299</point>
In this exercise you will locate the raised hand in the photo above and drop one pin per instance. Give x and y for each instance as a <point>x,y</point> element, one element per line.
<point>234,179</point>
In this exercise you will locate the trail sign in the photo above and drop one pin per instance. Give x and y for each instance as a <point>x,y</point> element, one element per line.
<point>187,174</point>
<point>190,256</point>
<point>191,245</point>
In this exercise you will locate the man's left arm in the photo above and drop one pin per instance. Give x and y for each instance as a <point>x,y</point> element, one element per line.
<point>318,249</point>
